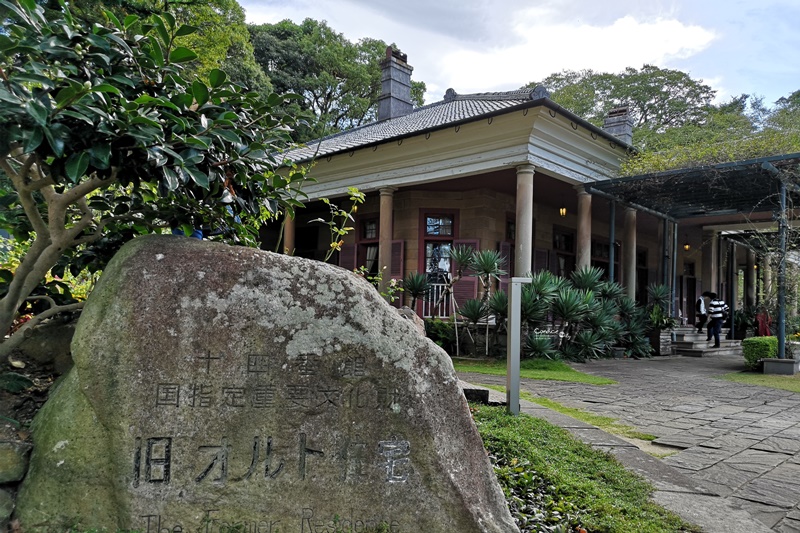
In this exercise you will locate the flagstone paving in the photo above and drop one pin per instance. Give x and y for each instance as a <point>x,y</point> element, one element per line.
<point>740,442</point>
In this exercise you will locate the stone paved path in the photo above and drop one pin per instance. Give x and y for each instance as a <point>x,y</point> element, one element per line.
<point>739,441</point>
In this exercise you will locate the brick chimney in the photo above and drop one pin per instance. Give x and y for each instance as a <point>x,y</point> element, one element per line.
<point>619,123</point>
<point>395,98</point>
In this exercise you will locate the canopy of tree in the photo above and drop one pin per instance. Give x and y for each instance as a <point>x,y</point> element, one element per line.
<point>221,32</point>
<point>340,81</point>
<point>103,137</point>
<point>676,122</point>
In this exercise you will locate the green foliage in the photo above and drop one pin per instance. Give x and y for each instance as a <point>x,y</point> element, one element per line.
<point>498,305</point>
<point>756,348</point>
<point>339,80</point>
<point>587,278</point>
<point>14,383</point>
<point>658,302</point>
<point>103,137</point>
<point>531,368</point>
<point>473,311</point>
<point>442,332</point>
<point>339,220</point>
<point>416,286</point>
<point>568,483</point>
<point>390,292</point>
<point>541,346</point>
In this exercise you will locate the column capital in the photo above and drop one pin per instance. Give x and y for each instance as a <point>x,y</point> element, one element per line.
<point>387,191</point>
<point>526,169</point>
<point>581,190</point>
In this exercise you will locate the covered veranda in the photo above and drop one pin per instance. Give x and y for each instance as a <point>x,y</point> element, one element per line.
<point>748,204</point>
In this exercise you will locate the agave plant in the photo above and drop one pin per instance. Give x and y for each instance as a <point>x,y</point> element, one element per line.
<point>587,278</point>
<point>417,286</point>
<point>486,264</point>
<point>473,312</point>
<point>589,344</point>
<point>610,290</point>
<point>539,346</point>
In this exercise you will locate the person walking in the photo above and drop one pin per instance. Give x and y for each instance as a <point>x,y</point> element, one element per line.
<point>700,310</point>
<point>717,310</point>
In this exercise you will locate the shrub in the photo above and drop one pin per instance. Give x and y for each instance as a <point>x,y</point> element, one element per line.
<point>442,333</point>
<point>756,348</point>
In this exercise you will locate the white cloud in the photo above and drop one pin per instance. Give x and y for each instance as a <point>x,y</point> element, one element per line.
<point>549,48</point>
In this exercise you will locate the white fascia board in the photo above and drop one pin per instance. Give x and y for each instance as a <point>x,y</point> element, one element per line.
<point>510,140</point>
<point>561,151</point>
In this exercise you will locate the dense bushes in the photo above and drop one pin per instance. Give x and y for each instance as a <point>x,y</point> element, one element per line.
<point>756,348</point>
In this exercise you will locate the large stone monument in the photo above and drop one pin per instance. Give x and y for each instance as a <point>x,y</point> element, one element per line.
<point>227,389</point>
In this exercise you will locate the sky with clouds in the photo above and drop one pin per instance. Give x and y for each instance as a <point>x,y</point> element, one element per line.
<point>735,46</point>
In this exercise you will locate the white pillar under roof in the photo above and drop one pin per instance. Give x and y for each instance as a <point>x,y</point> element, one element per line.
<point>629,252</point>
<point>524,221</point>
<point>385,234</point>
<point>288,235</point>
<point>583,256</point>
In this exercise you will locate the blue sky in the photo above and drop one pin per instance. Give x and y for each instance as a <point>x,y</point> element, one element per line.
<point>735,46</point>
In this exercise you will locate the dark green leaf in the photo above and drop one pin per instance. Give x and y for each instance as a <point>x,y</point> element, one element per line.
<point>56,142</point>
<point>156,53</point>
<point>171,178</point>
<point>181,55</point>
<point>76,166</point>
<point>46,82</point>
<point>30,5</point>
<point>198,177</point>
<point>65,96</point>
<point>36,138</point>
<point>130,20</point>
<point>162,30</point>
<point>113,18</point>
<point>216,78</point>
<point>102,154</point>
<point>36,110</point>
<point>185,30</point>
<point>105,88</point>
<point>200,92</point>
<point>13,382</point>
<point>229,136</point>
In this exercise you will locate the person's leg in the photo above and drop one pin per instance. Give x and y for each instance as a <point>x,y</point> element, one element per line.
<point>709,331</point>
<point>701,323</point>
<point>717,331</point>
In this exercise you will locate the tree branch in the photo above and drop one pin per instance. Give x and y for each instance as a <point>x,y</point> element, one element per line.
<point>11,343</point>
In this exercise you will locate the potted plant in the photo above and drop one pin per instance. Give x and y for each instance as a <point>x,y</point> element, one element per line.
<point>658,320</point>
<point>743,319</point>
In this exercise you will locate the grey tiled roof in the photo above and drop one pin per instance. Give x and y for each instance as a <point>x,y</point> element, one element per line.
<point>454,109</point>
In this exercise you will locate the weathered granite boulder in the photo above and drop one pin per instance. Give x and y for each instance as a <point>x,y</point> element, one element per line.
<point>221,389</point>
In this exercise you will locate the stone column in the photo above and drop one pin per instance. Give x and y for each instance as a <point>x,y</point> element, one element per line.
<point>385,234</point>
<point>629,252</point>
<point>710,264</point>
<point>288,235</point>
<point>750,279</point>
<point>523,262</point>
<point>583,257</point>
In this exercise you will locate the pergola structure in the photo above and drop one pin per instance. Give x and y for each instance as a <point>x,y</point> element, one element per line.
<point>743,188</point>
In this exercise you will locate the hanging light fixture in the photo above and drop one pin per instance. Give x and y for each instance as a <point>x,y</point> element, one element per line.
<point>562,210</point>
<point>686,245</point>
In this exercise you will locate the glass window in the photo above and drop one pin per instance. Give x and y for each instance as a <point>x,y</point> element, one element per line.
<point>437,261</point>
<point>439,225</point>
<point>369,229</point>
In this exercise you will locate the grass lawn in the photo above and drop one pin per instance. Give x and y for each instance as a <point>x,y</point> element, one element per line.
<point>790,383</point>
<point>606,423</point>
<point>532,369</point>
<point>553,482</point>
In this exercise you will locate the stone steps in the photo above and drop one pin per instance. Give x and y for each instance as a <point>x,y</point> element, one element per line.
<point>689,343</point>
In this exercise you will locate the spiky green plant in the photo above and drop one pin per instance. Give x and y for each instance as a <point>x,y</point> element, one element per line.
<point>590,344</point>
<point>416,285</point>
<point>539,346</point>
<point>610,290</point>
<point>587,278</point>
<point>473,311</point>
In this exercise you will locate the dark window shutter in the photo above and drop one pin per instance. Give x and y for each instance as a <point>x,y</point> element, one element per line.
<point>347,256</point>
<point>541,259</point>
